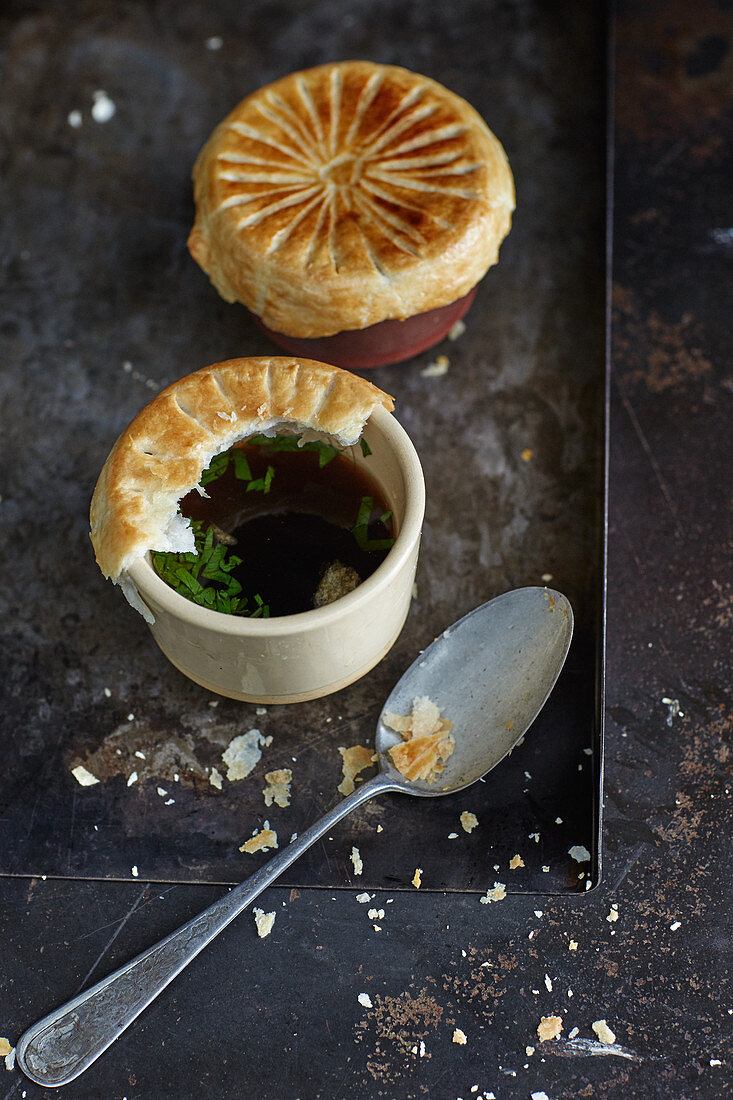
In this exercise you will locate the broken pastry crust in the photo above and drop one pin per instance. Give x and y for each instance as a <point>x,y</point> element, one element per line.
<point>161,455</point>
<point>350,193</point>
<point>426,741</point>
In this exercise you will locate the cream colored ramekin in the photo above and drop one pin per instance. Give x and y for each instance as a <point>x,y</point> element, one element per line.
<point>292,658</point>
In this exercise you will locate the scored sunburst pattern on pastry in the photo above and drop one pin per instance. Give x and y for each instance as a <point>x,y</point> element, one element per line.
<point>396,165</point>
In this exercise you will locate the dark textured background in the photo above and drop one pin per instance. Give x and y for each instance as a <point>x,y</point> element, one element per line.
<point>280,1017</point>
<point>99,277</point>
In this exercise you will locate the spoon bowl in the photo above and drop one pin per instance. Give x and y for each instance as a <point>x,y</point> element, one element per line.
<point>490,674</point>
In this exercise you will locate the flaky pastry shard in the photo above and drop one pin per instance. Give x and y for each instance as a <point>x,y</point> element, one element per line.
<point>349,194</point>
<point>162,453</point>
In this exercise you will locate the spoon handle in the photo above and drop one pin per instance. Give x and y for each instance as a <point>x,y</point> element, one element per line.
<point>66,1042</point>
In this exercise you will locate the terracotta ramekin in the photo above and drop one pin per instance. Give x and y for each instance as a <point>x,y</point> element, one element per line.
<point>292,658</point>
<point>380,344</point>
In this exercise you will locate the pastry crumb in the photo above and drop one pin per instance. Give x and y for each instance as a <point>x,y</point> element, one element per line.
<point>365,1000</point>
<point>417,878</point>
<point>426,740</point>
<point>278,787</point>
<point>215,778</point>
<point>515,862</point>
<point>604,1033</point>
<point>498,893</point>
<point>573,945</point>
<point>134,871</point>
<point>357,861</point>
<point>457,330</point>
<point>549,1027</point>
<point>243,752</point>
<point>579,853</point>
<point>468,821</point>
<point>263,922</point>
<point>261,841</point>
<point>527,454</point>
<point>437,368</point>
<point>83,776</point>
<point>353,761</point>
<point>459,1037</point>
<point>363,898</point>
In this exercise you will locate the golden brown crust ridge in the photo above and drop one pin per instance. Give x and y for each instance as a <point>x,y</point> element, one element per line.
<point>161,454</point>
<point>347,194</point>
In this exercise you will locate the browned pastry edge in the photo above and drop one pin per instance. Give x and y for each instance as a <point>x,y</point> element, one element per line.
<point>162,453</point>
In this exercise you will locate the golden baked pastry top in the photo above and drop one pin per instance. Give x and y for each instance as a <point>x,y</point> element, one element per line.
<point>344,195</point>
<point>163,452</point>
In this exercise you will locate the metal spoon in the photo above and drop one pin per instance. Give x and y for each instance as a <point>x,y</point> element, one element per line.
<point>490,673</point>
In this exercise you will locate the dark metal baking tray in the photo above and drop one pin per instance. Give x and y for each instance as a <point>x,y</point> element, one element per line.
<point>102,305</point>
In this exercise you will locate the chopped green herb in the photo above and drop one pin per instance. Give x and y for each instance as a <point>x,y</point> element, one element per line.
<point>262,484</point>
<point>360,530</point>
<point>220,462</point>
<point>325,451</point>
<point>213,563</point>
<point>365,448</point>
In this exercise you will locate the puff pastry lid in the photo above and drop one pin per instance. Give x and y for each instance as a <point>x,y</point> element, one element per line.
<point>161,455</point>
<point>348,194</point>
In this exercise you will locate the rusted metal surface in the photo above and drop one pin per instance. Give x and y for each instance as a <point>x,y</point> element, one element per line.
<point>283,1015</point>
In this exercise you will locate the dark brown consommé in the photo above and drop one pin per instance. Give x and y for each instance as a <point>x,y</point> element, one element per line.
<point>296,541</point>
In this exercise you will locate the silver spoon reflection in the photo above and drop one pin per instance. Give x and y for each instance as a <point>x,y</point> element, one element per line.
<point>490,674</point>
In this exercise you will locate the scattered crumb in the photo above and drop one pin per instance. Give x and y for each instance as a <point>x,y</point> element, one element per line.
<point>417,878</point>
<point>535,837</point>
<point>376,914</point>
<point>243,752</point>
<point>169,801</point>
<point>107,693</point>
<point>529,1051</point>
<point>215,778</point>
<point>263,922</point>
<point>426,740</point>
<point>74,119</point>
<point>380,828</point>
<point>353,761</point>
<point>541,1095</point>
<point>10,1060</point>
<point>261,841</point>
<point>604,1033</point>
<point>546,868</point>
<point>549,1028</point>
<point>459,1037</point>
<point>356,860</point>
<point>613,914</point>
<point>437,368</point>
<point>162,791</point>
<point>102,108</point>
<point>365,1000</point>
<point>527,454</point>
<point>81,775</point>
<point>132,778</point>
<point>548,983</point>
<point>572,1034</point>
<point>469,821</point>
<point>546,577</point>
<point>278,789</point>
<point>377,927</point>
<point>515,861</point>
<point>579,853</point>
<point>452,836</point>
<point>214,43</point>
<point>457,330</point>
<point>259,711</point>
<point>497,894</point>
<point>5,1047</point>
<point>573,945</point>
<point>363,898</point>
<point>135,872</point>
<point>675,925</point>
